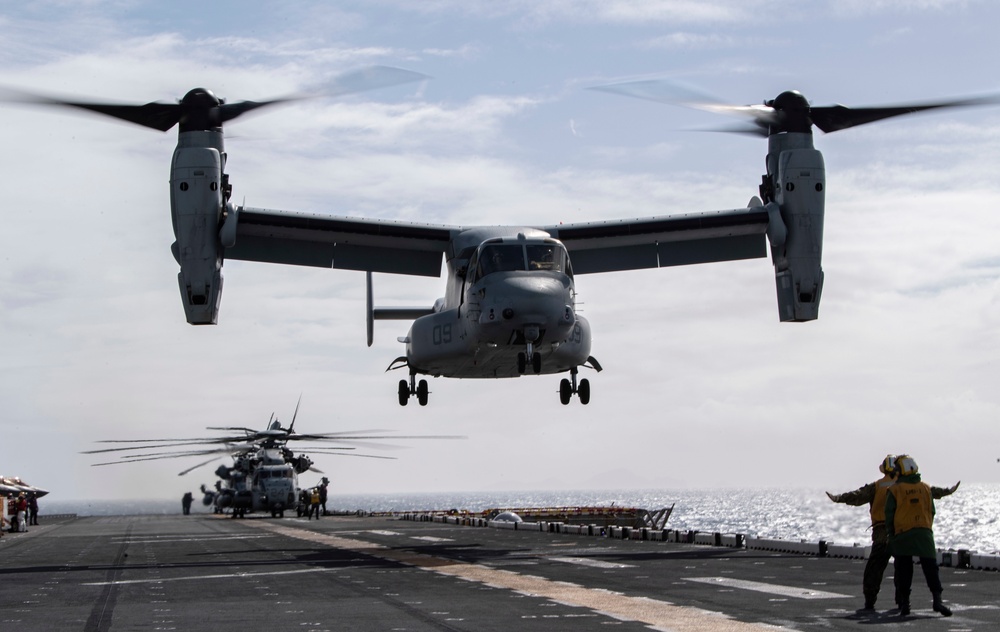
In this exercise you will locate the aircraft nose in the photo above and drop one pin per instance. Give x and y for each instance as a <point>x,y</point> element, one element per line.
<point>535,300</point>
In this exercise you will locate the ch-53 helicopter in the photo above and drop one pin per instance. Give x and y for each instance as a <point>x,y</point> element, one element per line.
<point>264,474</point>
<point>509,306</point>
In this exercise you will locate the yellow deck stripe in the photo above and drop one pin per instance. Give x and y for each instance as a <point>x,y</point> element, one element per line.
<point>662,615</point>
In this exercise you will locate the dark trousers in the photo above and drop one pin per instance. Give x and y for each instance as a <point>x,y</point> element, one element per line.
<point>904,576</point>
<point>875,570</point>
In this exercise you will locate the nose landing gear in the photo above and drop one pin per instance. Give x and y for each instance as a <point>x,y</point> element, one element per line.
<point>536,360</point>
<point>531,336</point>
<point>568,388</point>
<point>411,388</point>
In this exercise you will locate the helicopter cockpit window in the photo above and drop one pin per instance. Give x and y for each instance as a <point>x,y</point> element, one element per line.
<point>500,258</point>
<point>550,257</point>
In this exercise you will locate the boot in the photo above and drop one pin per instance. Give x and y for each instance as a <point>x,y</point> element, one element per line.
<point>904,609</point>
<point>940,607</point>
<point>870,601</point>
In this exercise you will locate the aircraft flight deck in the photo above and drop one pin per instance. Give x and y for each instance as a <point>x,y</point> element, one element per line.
<point>202,572</point>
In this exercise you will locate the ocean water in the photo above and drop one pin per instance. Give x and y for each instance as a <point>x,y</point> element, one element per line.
<point>969,519</point>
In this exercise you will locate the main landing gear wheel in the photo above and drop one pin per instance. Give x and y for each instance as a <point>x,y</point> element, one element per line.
<point>567,388</point>
<point>408,389</point>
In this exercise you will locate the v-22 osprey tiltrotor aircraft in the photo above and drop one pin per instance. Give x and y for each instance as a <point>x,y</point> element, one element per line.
<point>509,306</point>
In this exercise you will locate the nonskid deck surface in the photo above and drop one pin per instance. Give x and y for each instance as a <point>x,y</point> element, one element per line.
<point>356,573</point>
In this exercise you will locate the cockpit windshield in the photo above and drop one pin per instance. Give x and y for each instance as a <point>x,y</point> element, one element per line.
<point>546,257</point>
<point>500,257</point>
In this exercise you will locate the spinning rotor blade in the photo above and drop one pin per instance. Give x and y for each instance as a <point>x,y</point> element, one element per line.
<point>832,118</point>
<point>156,457</point>
<point>226,440</point>
<point>370,78</point>
<point>194,467</point>
<point>360,456</point>
<point>295,414</point>
<point>201,110</point>
<point>235,450</point>
<point>788,112</point>
<point>345,436</point>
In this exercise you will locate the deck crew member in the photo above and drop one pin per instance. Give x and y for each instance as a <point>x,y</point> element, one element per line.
<point>909,519</point>
<point>314,503</point>
<point>874,494</point>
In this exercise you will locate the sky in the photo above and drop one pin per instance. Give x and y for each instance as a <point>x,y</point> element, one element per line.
<point>702,385</point>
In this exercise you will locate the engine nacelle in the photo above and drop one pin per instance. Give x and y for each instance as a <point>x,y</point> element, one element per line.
<point>797,201</point>
<point>196,204</point>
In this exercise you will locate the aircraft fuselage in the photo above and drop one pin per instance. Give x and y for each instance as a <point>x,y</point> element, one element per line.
<point>510,309</point>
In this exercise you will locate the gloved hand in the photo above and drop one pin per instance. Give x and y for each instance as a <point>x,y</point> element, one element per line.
<point>954,488</point>
<point>836,497</point>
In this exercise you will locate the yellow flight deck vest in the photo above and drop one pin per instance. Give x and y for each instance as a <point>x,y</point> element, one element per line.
<point>914,507</point>
<point>878,503</point>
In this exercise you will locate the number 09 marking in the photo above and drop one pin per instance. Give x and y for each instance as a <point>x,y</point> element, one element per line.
<point>441,334</point>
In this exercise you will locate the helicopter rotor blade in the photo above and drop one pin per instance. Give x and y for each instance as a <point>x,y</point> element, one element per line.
<point>229,450</point>
<point>295,414</point>
<point>200,109</point>
<point>369,78</point>
<point>157,457</point>
<point>178,444</point>
<point>194,467</point>
<point>355,437</point>
<point>832,118</point>
<point>361,456</point>
<point>788,112</point>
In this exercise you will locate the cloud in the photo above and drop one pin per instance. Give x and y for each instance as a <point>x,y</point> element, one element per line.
<point>695,359</point>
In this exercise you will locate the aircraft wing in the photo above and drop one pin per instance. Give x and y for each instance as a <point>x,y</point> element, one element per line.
<point>345,243</point>
<point>672,240</point>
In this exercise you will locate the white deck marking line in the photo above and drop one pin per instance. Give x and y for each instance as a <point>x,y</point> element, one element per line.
<point>212,538</point>
<point>159,580</point>
<point>660,615</point>
<point>586,561</point>
<point>382,532</point>
<point>773,589</point>
<point>430,538</point>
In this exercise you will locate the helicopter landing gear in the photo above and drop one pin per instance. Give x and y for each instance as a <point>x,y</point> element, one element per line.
<point>536,363</point>
<point>529,352</point>
<point>408,389</point>
<point>567,388</point>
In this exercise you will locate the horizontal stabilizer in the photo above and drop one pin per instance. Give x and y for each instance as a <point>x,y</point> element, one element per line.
<point>401,313</point>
